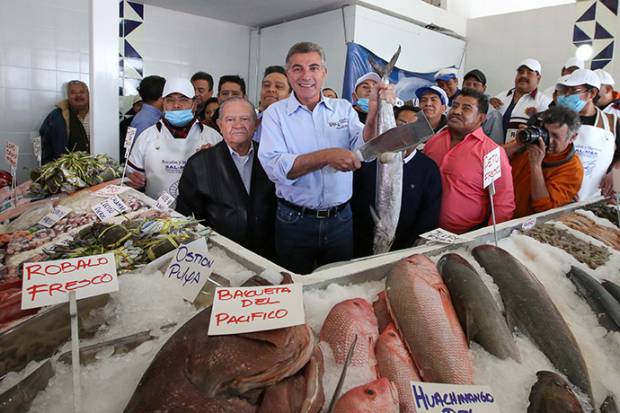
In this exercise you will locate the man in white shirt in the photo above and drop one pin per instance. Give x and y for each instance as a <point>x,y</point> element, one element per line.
<point>160,152</point>
<point>518,104</point>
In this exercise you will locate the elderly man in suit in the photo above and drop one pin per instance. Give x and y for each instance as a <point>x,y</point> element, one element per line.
<point>226,185</point>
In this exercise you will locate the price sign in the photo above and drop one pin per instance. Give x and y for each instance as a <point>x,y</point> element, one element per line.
<point>50,282</point>
<point>53,217</point>
<point>11,153</point>
<point>247,309</point>
<point>36,147</point>
<point>131,134</point>
<point>164,202</point>
<point>190,268</point>
<point>104,210</point>
<point>453,398</point>
<point>528,224</point>
<point>444,237</point>
<point>110,190</point>
<point>492,167</point>
<point>118,204</point>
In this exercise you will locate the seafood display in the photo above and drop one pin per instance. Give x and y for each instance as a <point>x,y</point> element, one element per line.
<point>604,210</point>
<point>608,236</point>
<point>73,171</point>
<point>586,252</point>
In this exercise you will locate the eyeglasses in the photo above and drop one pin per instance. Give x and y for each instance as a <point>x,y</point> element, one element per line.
<point>178,100</point>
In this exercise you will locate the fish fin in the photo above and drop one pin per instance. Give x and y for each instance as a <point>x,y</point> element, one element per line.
<point>470,326</point>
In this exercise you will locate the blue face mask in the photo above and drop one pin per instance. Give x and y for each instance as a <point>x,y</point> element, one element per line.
<point>362,104</point>
<point>572,102</point>
<point>179,117</point>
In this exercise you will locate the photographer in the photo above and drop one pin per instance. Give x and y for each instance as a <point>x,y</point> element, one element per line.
<point>546,171</point>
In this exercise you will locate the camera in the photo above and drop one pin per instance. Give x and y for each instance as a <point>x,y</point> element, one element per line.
<point>535,129</point>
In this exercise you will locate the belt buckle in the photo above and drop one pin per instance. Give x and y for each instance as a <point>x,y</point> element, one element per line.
<point>322,214</point>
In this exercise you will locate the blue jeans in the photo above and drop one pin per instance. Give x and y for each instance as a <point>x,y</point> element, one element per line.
<point>305,242</point>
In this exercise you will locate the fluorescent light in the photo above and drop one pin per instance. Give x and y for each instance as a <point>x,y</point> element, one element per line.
<point>584,52</point>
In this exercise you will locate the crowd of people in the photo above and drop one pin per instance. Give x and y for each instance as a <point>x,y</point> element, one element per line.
<point>282,179</point>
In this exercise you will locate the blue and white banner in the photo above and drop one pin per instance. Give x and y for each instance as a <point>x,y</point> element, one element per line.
<point>357,65</point>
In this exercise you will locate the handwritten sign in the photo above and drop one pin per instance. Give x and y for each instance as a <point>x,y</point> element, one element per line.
<point>131,133</point>
<point>50,282</point>
<point>11,153</point>
<point>453,398</point>
<point>110,190</point>
<point>444,237</point>
<point>109,208</point>
<point>528,224</point>
<point>53,217</point>
<point>36,147</point>
<point>190,268</point>
<point>247,309</point>
<point>492,167</point>
<point>164,202</point>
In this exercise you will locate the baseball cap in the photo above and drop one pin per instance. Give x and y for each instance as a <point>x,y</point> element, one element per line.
<point>561,81</point>
<point>179,85</point>
<point>573,61</point>
<point>605,77</point>
<point>446,74</point>
<point>531,64</point>
<point>583,77</point>
<point>368,76</point>
<point>478,75</point>
<point>433,89</point>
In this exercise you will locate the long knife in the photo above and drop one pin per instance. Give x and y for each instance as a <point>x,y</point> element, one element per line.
<point>330,409</point>
<point>397,139</point>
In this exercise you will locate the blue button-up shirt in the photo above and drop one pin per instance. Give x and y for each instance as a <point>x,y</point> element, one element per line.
<point>259,127</point>
<point>244,166</point>
<point>290,129</point>
<point>147,117</point>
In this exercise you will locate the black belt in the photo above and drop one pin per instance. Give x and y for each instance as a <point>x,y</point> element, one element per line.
<point>318,213</point>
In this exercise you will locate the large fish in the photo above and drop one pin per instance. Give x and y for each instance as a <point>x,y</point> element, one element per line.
<point>529,308</point>
<point>345,321</point>
<point>552,394</point>
<point>377,396</point>
<point>478,313</point>
<point>381,311</point>
<point>396,365</point>
<point>420,306</point>
<point>389,185</point>
<point>609,405</point>
<point>301,393</point>
<point>195,372</point>
<point>612,288</point>
<point>602,303</point>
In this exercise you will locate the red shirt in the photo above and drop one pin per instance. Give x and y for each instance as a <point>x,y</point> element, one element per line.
<point>465,204</point>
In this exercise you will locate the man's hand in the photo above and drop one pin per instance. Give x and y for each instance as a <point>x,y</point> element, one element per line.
<point>496,103</point>
<point>384,91</point>
<point>607,185</point>
<point>137,180</point>
<point>536,153</point>
<point>343,160</point>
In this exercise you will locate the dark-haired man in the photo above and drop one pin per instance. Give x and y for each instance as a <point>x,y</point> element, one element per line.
<point>229,86</point>
<point>433,102</point>
<point>274,87</point>
<point>406,114</point>
<point>547,177</point>
<point>492,127</point>
<point>203,87</point>
<point>150,89</point>
<point>459,152</point>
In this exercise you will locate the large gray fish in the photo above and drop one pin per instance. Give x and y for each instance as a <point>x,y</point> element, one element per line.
<point>602,303</point>
<point>389,186</point>
<point>480,317</point>
<point>612,288</point>
<point>552,394</point>
<point>529,308</point>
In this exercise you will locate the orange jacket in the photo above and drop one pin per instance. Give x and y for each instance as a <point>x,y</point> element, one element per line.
<point>562,182</point>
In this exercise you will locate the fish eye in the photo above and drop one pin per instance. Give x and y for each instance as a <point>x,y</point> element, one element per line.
<point>370,392</point>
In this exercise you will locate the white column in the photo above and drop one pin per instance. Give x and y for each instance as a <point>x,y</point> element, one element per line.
<point>104,77</point>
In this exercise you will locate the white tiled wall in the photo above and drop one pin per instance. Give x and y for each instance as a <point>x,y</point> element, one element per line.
<point>43,44</point>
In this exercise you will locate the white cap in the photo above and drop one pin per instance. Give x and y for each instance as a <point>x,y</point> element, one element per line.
<point>446,74</point>
<point>368,76</point>
<point>433,89</point>
<point>573,61</point>
<point>605,77</point>
<point>179,85</point>
<point>531,64</point>
<point>561,81</point>
<point>583,77</point>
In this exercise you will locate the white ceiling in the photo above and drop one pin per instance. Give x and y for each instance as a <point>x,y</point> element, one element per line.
<point>253,13</point>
